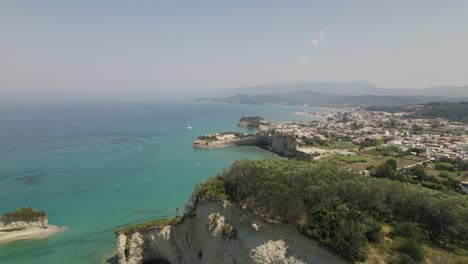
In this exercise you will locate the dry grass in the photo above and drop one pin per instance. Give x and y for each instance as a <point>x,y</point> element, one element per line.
<point>437,255</point>
<point>380,253</point>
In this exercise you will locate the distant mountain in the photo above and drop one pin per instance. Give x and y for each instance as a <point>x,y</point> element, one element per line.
<point>321,99</point>
<point>351,88</point>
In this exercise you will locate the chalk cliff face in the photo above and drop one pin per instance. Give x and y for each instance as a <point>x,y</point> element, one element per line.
<point>216,233</point>
<point>39,222</point>
<point>283,145</point>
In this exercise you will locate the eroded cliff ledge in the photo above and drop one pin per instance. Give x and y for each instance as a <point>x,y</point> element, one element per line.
<point>219,232</point>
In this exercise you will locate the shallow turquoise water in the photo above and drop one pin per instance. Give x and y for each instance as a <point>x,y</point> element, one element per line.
<point>98,166</point>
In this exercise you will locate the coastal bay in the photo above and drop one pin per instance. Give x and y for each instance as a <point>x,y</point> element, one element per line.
<point>97,167</point>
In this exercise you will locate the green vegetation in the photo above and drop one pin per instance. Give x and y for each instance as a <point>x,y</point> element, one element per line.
<point>444,166</point>
<point>454,111</point>
<point>415,175</point>
<point>447,110</point>
<point>408,230</point>
<point>330,143</point>
<point>208,137</point>
<point>388,169</point>
<point>213,137</point>
<point>23,214</point>
<point>342,210</point>
<point>458,164</point>
<point>390,150</point>
<point>228,231</point>
<point>347,158</point>
<point>371,143</point>
<point>212,189</point>
<point>342,145</point>
<point>252,122</point>
<point>410,250</point>
<point>395,151</point>
<point>148,225</point>
<point>409,239</point>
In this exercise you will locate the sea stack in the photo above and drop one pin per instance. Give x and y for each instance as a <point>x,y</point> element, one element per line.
<point>24,224</point>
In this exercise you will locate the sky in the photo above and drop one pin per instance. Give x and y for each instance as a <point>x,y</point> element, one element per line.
<point>185,48</point>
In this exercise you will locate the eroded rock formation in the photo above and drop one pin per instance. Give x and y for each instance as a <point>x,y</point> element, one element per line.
<point>216,233</point>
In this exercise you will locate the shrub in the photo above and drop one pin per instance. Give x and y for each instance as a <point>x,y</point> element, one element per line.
<point>374,230</point>
<point>349,159</point>
<point>386,170</point>
<point>228,231</point>
<point>405,259</point>
<point>340,230</point>
<point>445,174</point>
<point>412,248</point>
<point>212,189</point>
<point>444,166</point>
<point>23,214</point>
<point>408,230</point>
<point>419,172</point>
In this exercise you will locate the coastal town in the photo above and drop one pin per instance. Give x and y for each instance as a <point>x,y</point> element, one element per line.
<point>360,139</point>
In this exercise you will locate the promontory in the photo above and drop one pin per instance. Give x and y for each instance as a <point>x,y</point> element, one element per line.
<point>26,224</point>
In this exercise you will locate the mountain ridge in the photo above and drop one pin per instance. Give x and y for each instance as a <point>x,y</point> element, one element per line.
<point>350,88</point>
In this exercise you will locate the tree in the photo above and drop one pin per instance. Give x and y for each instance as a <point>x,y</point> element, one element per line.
<point>419,172</point>
<point>388,169</point>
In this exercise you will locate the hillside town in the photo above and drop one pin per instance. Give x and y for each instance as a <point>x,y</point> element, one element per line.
<point>429,138</point>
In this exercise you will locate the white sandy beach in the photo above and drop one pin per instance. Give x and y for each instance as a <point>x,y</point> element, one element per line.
<point>30,233</point>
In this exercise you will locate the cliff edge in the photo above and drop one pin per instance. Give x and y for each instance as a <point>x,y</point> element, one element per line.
<point>219,232</point>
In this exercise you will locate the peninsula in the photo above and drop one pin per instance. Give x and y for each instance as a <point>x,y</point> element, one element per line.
<point>26,224</point>
<point>363,185</point>
<point>292,211</point>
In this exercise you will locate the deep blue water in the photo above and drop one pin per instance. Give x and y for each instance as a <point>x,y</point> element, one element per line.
<point>94,167</point>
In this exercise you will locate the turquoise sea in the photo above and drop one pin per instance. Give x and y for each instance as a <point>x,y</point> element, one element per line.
<point>94,167</point>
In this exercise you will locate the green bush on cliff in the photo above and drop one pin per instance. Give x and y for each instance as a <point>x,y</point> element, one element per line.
<point>23,214</point>
<point>212,189</point>
<point>340,209</point>
<point>228,231</point>
<point>148,225</point>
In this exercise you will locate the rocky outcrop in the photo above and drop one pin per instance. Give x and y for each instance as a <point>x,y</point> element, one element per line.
<point>226,140</point>
<point>277,143</point>
<point>24,224</point>
<point>40,222</point>
<point>253,122</point>
<point>216,233</point>
<point>282,145</point>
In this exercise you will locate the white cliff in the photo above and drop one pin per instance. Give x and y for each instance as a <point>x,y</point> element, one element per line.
<point>25,224</point>
<point>216,233</point>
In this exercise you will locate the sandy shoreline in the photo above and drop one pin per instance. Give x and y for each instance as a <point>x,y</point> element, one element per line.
<point>30,234</point>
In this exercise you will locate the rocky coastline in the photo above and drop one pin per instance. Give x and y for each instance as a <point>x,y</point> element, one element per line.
<point>26,224</point>
<point>219,232</point>
<point>227,139</point>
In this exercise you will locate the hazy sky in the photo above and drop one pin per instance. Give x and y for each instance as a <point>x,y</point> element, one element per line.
<point>163,48</point>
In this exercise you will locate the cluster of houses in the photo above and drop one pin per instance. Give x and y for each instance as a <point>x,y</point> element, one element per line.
<point>433,137</point>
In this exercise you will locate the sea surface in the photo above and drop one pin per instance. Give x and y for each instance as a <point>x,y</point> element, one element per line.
<point>94,167</point>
